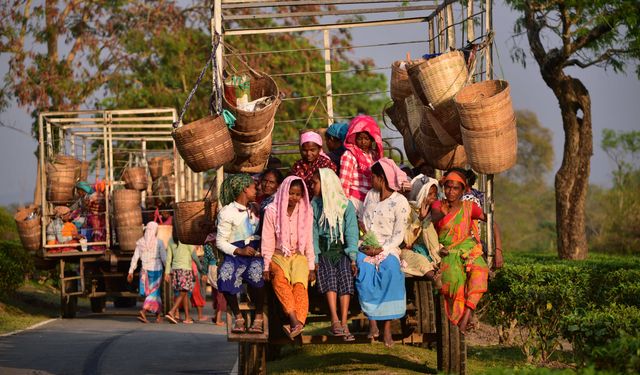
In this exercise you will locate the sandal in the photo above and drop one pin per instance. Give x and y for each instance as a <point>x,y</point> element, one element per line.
<point>142,319</point>
<point>336,329</point>
<point>256,327</point>
<point>171,318</point>
<point>347,335</point>
<point>238,327</point>
<point>296,331</point>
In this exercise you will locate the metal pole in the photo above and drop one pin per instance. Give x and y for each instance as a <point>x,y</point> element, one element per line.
<point>44,207</point>
<point>489,189</point>
<point>451,30</point>
<point>432,42</point>
<point>327,75</point>
<point>73,145</point>
<point>470,30</point>
<point>144,164</point>
<point>84,150</point>
<point>108,175</point>
<point>216,28</point>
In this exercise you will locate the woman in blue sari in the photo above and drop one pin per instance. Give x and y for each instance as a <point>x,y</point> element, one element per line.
<point>380,282</point>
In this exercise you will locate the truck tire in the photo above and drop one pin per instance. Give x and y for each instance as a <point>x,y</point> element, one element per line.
<point>98,304</point>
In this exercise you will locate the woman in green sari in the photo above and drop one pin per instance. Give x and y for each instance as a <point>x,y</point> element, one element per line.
<point>464,270</point>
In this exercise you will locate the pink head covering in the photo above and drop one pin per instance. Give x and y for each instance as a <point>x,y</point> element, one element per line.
<point>305,217</point>
<point>313,137</point>
<point>150,239</point>
<point>395,176</point>
<point>359,124</point>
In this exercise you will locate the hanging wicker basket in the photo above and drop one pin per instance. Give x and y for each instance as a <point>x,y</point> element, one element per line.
<point>492,151</point>
<point>126,200</point>
<point>250,157</point>
<point>193,221</point>
<point>254,122</point>
<point>204,144</point>
<point>437,80</point>
<point>30,230</point>
<point>135,178</point>
<point>128,236</point>
<point>254,136</point>
<point>132,217</point>
<point>164,190</point>
<point>445,123</point>
<point>61,180</point>
<point>400,86</point>
<point>440,156</point>
<point>160,166</point>
<point>485,105</point>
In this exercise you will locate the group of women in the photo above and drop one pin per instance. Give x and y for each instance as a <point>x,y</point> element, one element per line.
<point>347,228</point>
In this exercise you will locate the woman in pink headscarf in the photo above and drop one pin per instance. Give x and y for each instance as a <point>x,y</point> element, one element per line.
<point>287,250</point>
<point>151,251</point>
<point>364,147</point>
<point>313,158</point>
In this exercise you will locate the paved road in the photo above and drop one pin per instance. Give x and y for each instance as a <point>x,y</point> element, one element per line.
<point>118,344</point>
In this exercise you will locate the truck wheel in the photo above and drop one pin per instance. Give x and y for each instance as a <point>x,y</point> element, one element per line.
<point>98,304</point>
<point>452,348</point>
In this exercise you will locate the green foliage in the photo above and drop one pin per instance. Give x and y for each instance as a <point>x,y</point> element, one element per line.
<point>623,148</point>
<point>14,263</point>
<point>8,229</point>
<point>531,370</point>
<point>608,337</point>
<point>535,151</point>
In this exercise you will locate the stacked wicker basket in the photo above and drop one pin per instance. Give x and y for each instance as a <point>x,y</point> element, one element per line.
<point>29,227</point>
<point>163,181</point>
<point>62,176</point>
<point>459,123</point>
<point>128,217</point>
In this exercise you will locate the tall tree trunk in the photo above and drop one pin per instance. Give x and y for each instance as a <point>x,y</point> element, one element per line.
<point>572,179</point>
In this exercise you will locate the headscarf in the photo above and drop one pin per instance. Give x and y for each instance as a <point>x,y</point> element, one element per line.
<point>313,137</point>
<point>84,186</point>
<point>334,203</point>
<point>149,242</point>
<point>60,211</point>
<point>455,176</point>
<point>232,186</point>
<point>395,176</point>
<point>338,130</point>
<point>305,217</point>
<point>359,124</point>
<point>420,186</point>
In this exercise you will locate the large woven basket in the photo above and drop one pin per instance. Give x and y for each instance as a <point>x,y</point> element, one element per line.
<point>438,79</point>
<point>70,161</point>
<point>164,189</point>
<point>492,151</point>
<point>397,113</point>
<point>126,200</point>
<point>413,153</point>
<point>160,166</point>
<point>128,236</point>
<point>445,122</point>
<point>253,136</point>
<point>485,105</point>
<point>400,85</point>
<point>204,144</point>
<point>30,231</point>
<point>250,157</point>
<point>440,156</point>
<point>261,85</point>
<point>130,217</point>
<point>192,223</point>
<point>61,179</point>
<point>135,178</point>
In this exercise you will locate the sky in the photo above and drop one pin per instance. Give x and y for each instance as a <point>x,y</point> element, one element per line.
<point>614,98</point>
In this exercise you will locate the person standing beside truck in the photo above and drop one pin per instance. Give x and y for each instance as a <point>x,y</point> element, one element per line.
<point>178,269</point>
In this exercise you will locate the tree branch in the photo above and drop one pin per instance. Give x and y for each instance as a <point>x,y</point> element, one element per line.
<point>604,57</point>
<point>593,35</point>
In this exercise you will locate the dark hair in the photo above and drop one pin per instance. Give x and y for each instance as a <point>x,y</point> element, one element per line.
<point>377,170</point>
<point>462,172</point>
<point>471,177</point>
<point>276,173</point>
<point>299,184</point>
<point>274,162</point>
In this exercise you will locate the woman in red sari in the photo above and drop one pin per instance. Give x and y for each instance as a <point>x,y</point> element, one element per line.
<point>464,270</point>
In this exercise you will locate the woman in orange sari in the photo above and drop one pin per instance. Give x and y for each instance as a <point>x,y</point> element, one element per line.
<point>464,270</point>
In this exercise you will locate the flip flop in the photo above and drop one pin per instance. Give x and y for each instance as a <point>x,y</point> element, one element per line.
<point>171,319</point>
<point>190,321</point>
<point>142,319</point>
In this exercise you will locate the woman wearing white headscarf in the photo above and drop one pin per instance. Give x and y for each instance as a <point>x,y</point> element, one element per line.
<point>153,255</point>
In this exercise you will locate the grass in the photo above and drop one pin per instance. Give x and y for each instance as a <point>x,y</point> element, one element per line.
<point>30,304</point>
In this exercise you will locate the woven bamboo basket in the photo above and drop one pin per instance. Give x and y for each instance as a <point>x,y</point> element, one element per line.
<point>261,85</point>
<point>164,189</point>
<point>415,112</point>
<point>129,218</point>
<point>253,136</point>
<point>397,113</point>
<point>84,171</point>
<point>400,85</point>
<point>446,123</point>
<point>30,231</point>
<point>492,151</point>
<point>411,150</point>
<point>128,236</point>
<point>160,166</point>
<point>71,162</point>
<point>135,178</point>
<point>440,156</point>
<point>204,144</point>
<point>192,223</point>
<point>485,105</point>
<point>125,200</point>
<point>250,157</point>
<point>437,80</point>
<point>61,179</point>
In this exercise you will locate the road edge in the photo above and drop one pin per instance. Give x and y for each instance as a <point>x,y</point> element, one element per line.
<point>40,324</point>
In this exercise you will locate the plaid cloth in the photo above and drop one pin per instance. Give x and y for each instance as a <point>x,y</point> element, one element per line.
<point>355,182</point>
<point>335,278</point>
<point>306,170</point>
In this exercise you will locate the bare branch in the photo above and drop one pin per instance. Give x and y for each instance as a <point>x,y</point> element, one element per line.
<point>602,58</point>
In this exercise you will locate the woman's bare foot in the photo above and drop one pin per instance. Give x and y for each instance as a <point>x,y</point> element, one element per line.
<point>374,332</point>
<point>464,321</point>
<point>388,338</point>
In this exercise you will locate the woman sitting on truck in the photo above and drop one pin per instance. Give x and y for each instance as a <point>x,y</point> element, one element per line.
<point>287,248</point>
<point>313,158</point>
<point>464,270</point>
<point>335,239</point>
<point>380,282</point>
<point>236,237</point>
<point>364,146</point>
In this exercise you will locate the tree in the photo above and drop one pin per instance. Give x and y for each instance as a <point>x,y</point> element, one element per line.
<point>586,33</point>
<point>623,148</point>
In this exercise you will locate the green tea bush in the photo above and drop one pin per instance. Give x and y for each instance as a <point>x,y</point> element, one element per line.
<point>14,263</point>
<point>607,337</point>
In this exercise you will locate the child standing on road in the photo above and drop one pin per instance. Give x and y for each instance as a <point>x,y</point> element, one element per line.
<point>179,270</point>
